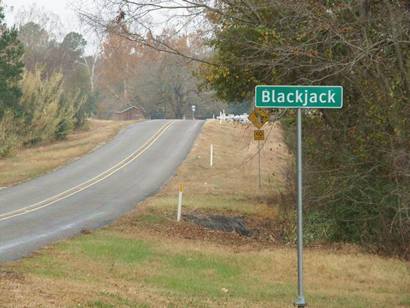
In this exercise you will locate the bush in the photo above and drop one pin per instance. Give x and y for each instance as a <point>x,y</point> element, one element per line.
<point>48,114</point>
<point>63,128</point>
<point>9,139</point>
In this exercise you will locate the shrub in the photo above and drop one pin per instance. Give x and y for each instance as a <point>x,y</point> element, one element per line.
<point>9,139</point>
<point>47,113</point>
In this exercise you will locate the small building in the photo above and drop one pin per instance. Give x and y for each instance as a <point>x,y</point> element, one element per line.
<point>130,113</point>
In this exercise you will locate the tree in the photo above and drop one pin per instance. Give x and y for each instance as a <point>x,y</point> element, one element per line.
<point>171,83</point>
<point>75,43</point>
<point>36,43</point>
<point>116,67</point>
<point>164,84</point>
<point>11,68</point>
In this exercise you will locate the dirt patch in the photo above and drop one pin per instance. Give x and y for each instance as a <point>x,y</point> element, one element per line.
<point>229,229</point>
<point>219,222</point>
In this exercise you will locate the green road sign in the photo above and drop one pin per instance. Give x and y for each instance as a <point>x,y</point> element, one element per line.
<point>299,97</point>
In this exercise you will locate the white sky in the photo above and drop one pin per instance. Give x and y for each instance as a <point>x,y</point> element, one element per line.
<point>65,11</point>
<point>58,7</point>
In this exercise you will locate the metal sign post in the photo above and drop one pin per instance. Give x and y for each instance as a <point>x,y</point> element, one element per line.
<point>260,176</point>
<point>259,135</point>
<point>300,301</point>
<point>299,97</point>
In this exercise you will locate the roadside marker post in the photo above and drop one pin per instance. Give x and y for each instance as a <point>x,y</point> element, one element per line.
<point>211,156</point>
<point>299,97</point>
<point>179,212</point>
<point>193,112</point>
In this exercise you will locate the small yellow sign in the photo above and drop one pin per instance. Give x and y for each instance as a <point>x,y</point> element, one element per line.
<point>181,187</point>
<point>259,135</point>
<point>254,119</point>
<point>259,117</point>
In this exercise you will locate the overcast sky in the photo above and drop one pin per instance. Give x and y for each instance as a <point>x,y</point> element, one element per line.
<point>64,9</point>
<point>58,7</point>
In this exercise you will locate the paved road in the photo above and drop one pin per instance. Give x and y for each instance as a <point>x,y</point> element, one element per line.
<point>95,189</point>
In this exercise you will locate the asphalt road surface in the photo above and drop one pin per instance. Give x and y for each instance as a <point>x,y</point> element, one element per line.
<point>94,190</point>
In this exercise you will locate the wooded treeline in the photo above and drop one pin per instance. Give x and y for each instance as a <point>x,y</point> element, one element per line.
<point>51,83</point>
<point>163,84</point>
<point>44,89</point>
<point>357,159</point>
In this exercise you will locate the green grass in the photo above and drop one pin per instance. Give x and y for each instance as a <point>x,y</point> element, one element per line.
<point>114,300</point>
<point>113,248</point>
<point>46,266</point>
<point>190,276</point>
<point>349,300</point>
<point>99,304</point>
<point>196,274</point>
<point>405,300</point>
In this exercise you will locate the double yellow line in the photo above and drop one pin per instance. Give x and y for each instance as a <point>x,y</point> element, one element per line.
<point>91,182</point>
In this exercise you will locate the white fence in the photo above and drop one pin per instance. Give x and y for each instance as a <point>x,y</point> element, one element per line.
<point>243,118</point>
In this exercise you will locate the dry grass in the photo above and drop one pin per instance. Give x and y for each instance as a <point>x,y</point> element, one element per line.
<point>147,260</point>
<point>32,162</point>
<point>232,184</point>
<point>235,164</point>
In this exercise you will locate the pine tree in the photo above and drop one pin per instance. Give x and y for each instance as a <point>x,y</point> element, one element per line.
<point>11,68</point>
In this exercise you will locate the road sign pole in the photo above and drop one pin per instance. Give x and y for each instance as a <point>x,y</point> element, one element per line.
<point>300,301</point>
<point>260,177</point>
<point>299,97</point>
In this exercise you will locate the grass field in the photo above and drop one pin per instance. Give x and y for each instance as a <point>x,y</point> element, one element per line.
<point>32,162</point>
<point>146,259</point>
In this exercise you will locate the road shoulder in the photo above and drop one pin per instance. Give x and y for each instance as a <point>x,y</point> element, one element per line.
<point>32,162</point>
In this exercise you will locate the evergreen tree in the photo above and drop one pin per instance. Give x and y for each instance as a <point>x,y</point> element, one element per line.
<point>11,68</point>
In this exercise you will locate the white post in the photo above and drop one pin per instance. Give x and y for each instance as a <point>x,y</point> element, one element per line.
<point>211,159</point>
<point>181,190</point>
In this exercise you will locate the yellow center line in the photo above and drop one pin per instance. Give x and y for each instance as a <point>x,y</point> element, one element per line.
<point>91,182</point>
